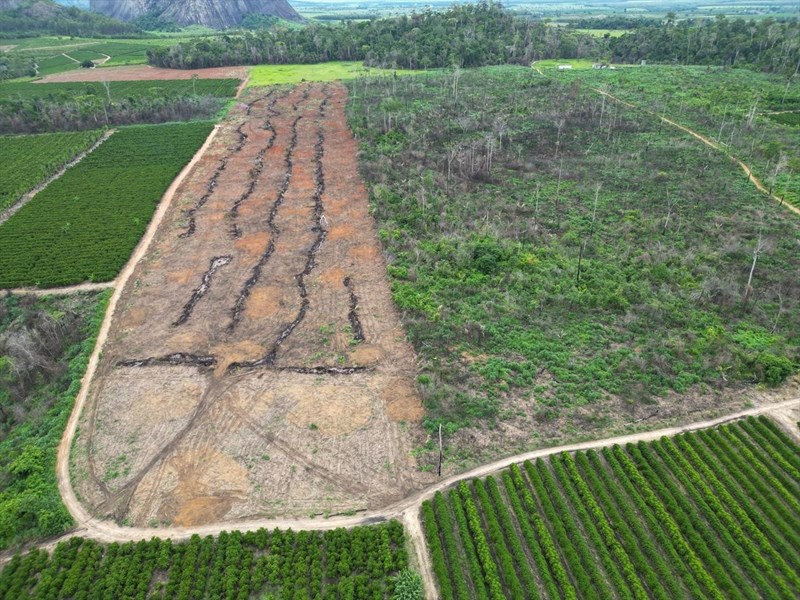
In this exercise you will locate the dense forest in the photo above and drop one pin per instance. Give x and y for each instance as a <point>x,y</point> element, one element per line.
<point>467,35</point>
<point>45,17</point>
<point>767,45</point>
<point>485,33</point>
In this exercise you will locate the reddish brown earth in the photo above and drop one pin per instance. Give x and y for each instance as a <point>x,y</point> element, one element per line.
<point>255,364</point>
<point>135,72</point>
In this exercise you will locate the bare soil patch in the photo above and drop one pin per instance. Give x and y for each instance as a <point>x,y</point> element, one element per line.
<point>144,72</point>
<point>255,365</point>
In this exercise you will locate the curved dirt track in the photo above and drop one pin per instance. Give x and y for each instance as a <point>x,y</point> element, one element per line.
<point>747,170</point>
<point>62,458</point>
<point>62,291</point>
<point>407,510</point>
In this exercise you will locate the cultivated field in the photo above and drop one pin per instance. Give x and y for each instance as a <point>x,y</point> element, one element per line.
<point>255,364</point>
<point>712,514</point>
<point>221,88</point>
<point>356,563</point>
<point>29,160</point>
<point>84,225</point>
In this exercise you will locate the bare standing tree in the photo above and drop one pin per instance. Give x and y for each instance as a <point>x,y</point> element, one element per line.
<point>759,248</point>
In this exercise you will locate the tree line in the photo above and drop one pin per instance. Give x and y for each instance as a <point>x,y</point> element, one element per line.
<point>485,33</point>
<point>468,35</point>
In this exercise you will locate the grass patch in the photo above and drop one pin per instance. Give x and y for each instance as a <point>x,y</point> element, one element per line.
<point>262,75</point>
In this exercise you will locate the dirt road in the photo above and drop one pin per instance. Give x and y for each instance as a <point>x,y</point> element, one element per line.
<point>753,179</point>
<point>407,510</point>
<point>72,289</point>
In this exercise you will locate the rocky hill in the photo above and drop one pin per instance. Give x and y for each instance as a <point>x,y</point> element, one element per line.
<point>211,13</point>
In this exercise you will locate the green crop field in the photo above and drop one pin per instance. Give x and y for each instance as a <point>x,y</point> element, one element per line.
<point>712,514</point>
<point>30,159</point>
<point>360,563</point>
<point>55,64</point>
<point>45,344</point>
<point>221,88</point>
<point>261,75</point>
<point>565,264</point>
<point>84,226</point>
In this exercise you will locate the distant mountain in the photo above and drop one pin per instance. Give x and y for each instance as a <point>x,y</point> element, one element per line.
<point>211,13</point>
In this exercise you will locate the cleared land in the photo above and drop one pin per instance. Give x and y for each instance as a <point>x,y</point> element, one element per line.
<point>712,514</point>
<point>130,73</point>
<point>84,226</point>
<point>28,160</point>
<point>357,563</point>
<point>255,363</point>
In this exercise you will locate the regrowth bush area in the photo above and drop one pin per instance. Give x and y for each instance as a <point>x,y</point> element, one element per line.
<point>734,108</point>
<point>550,249</point>
<point>84,226</point>
<point>714,514</point>
<point>29,160</point>
<point>40,107</point>
<point>358,563</point>
<point>45,345</point>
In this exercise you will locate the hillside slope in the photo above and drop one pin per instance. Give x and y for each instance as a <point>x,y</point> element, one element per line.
<point>211,13</point>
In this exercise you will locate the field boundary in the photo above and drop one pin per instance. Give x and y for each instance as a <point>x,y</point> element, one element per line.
<point>27,197</point>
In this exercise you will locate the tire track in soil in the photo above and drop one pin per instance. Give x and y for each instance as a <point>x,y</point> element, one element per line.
<point>117,503</point>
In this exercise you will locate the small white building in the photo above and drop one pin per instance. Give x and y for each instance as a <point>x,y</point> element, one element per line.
<point>564,67</point>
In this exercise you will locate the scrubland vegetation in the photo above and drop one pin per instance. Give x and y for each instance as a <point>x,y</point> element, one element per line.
<point>363,563</point>
<point>84,226</point>
<point>552,249</point>
<point>712,514</point>
<point>41,107</point>
<point>45,345</point>
<point>752,115</point>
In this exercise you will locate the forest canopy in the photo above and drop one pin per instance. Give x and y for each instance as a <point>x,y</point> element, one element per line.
<point>485,33</point>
